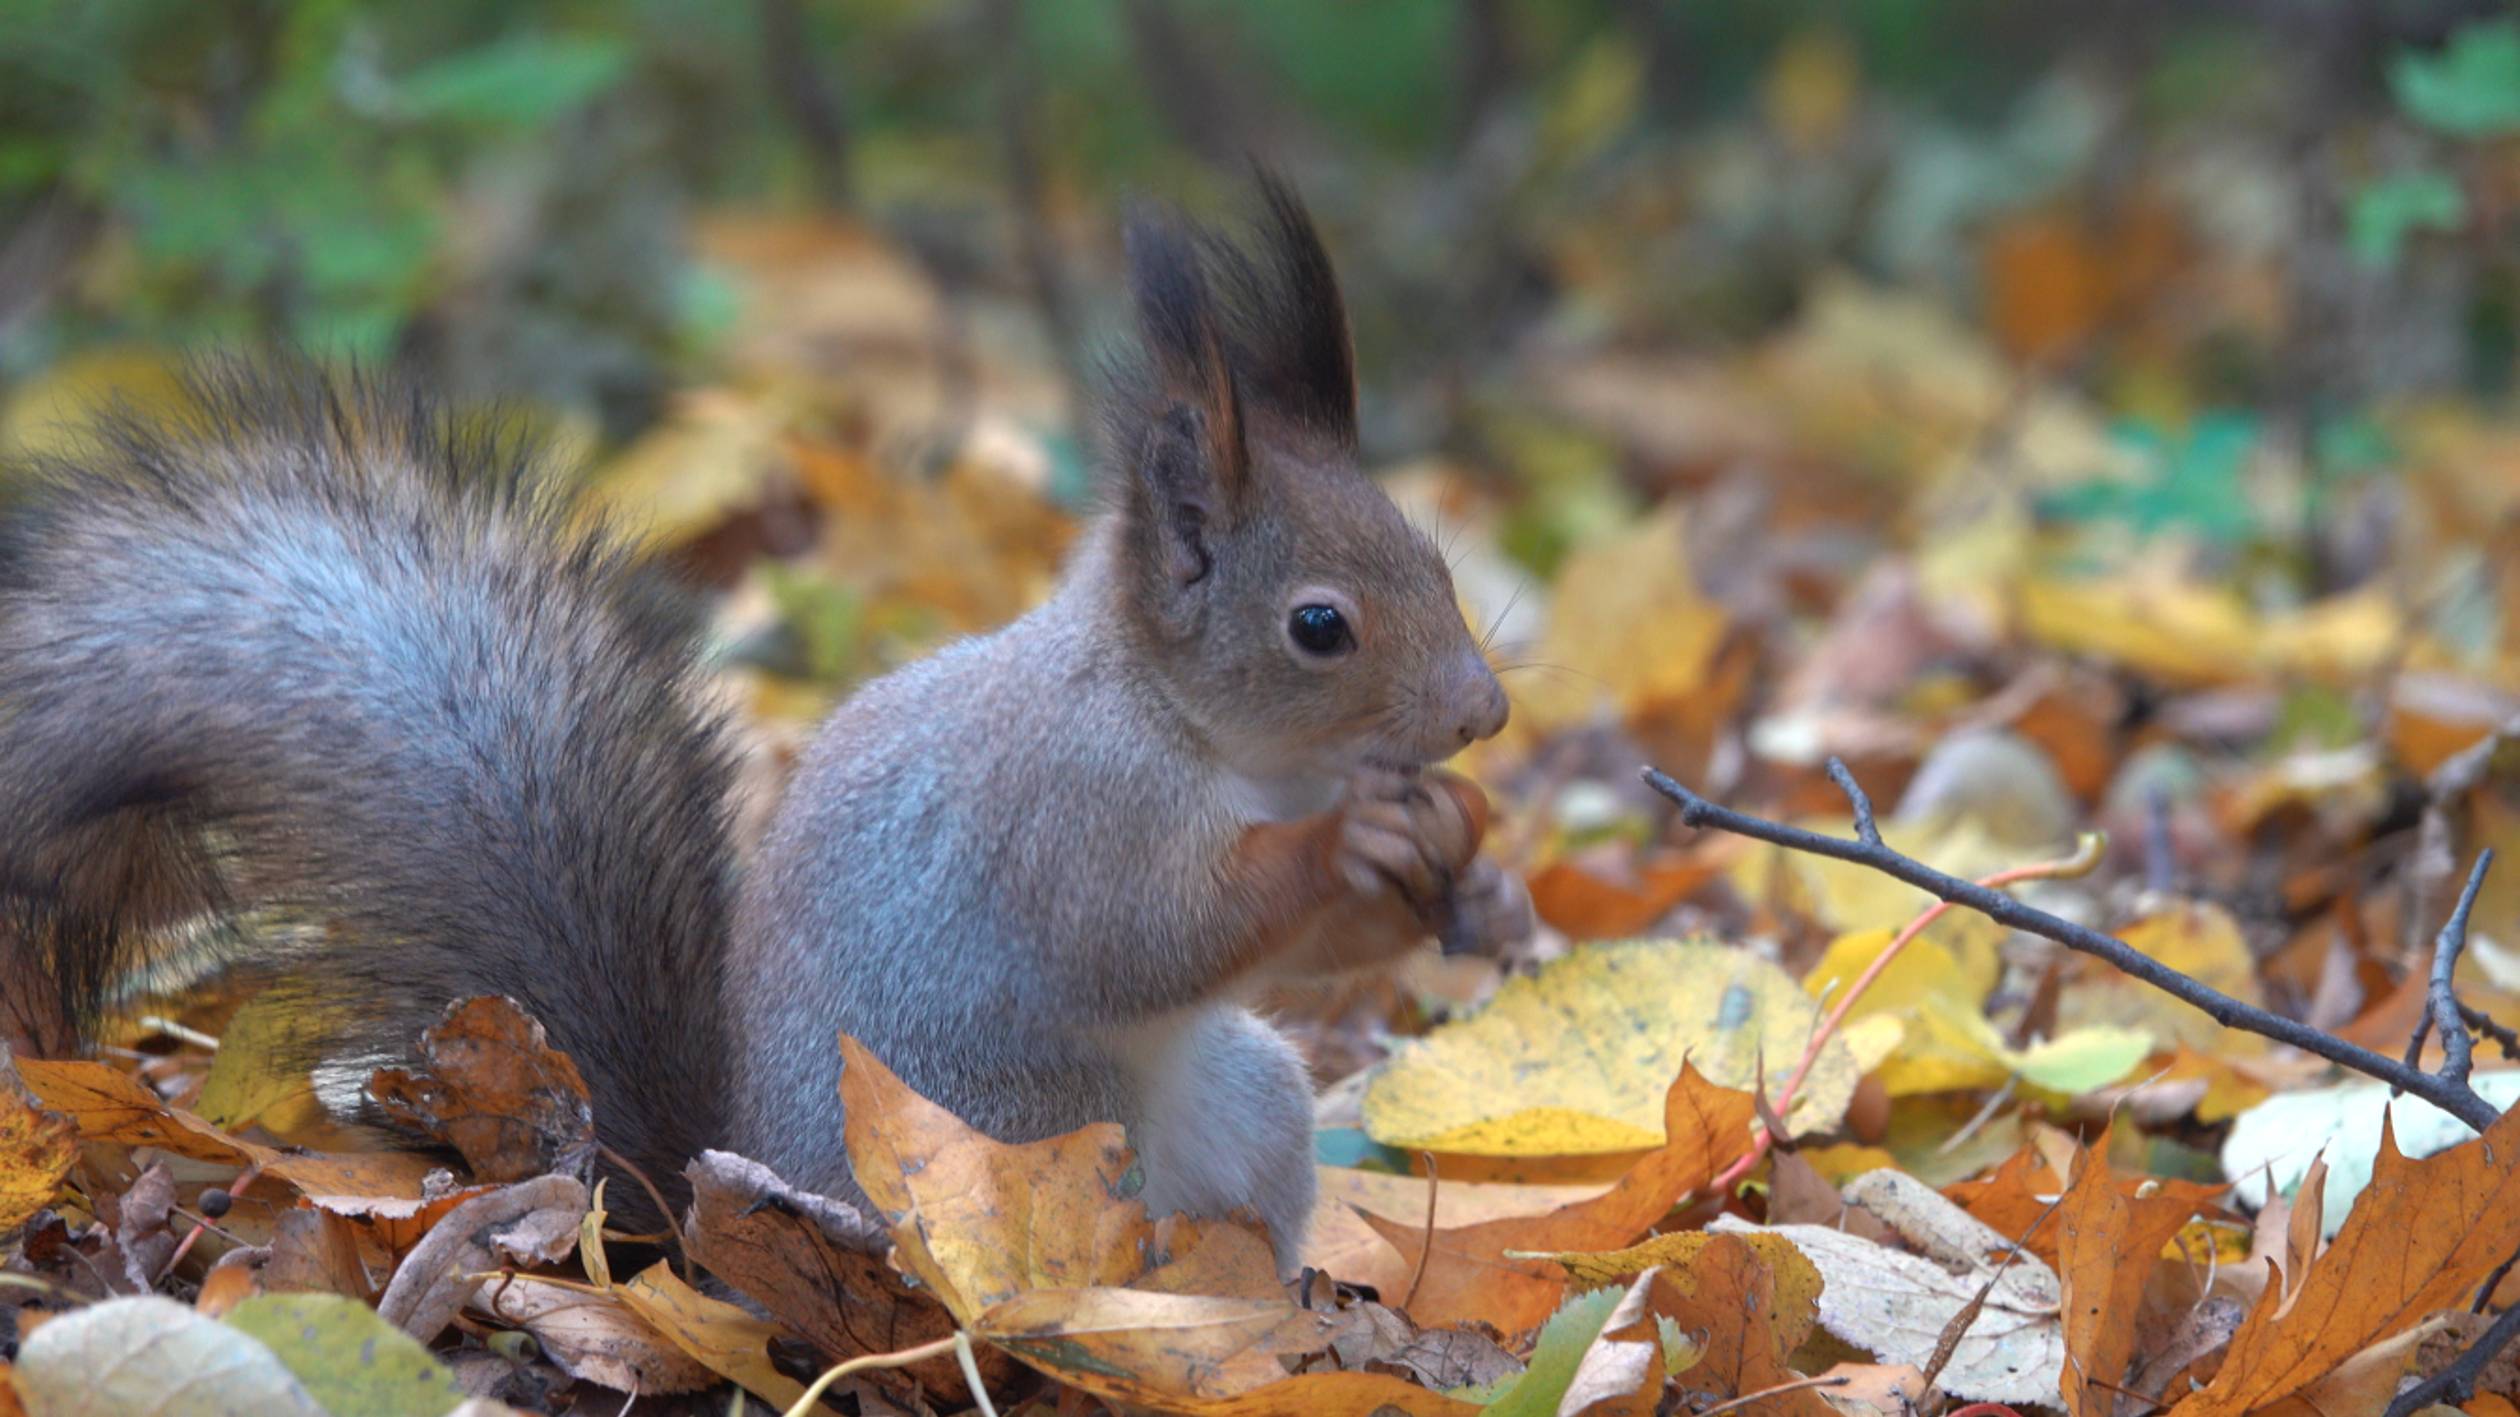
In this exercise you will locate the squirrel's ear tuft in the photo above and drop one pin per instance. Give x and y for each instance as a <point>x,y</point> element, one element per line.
<point>1288,324</point>
<point>1184,336</point>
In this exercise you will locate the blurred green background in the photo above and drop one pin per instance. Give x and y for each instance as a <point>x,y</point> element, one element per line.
<point>503,191</point>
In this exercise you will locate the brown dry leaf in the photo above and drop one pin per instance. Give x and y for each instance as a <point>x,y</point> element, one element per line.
<point>9,1404</point>
<point>2111,1231</point>
<point>2420,1238</point>
<point>37,1148</point>
<point>725,1339</point>
<point>599,1338</point>
<point>1467,1277</point>
<point>2015,1194</point>
<point>1745,1323</point>
<point>817,1266</point>
<point>1341,1244</point>
<point>109,1105</point>
<point>493,1088</point>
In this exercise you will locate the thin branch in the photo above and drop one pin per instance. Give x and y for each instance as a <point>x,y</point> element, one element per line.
<point>1763,1394</point>
<point>2455,1384</point>
<point>2456,1049</point>
<point>1866,830</point>
<point>2453,1097</point>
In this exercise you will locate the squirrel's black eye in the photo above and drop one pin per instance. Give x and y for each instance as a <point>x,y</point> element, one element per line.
<point>1319,630</point>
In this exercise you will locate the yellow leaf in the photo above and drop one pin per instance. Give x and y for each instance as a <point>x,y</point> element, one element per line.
<point>1573,1060</point>
<point>1797,1282</point>
<point>725,1339</point>
<point>2199,940</point>
<point>37,1148</point>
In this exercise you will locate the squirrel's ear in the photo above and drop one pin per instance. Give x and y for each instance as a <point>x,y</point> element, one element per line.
<point>1190,468</point>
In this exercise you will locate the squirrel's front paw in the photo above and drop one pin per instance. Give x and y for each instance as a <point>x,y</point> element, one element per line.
<point>1410,834</point>
<point>1489,912</point>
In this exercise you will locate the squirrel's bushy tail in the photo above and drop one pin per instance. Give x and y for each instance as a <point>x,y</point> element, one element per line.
<point>326,680</point>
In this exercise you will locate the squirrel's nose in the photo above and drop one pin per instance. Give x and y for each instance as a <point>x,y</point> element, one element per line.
<point>1483,703</point>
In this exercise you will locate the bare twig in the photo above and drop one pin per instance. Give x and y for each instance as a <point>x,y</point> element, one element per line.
<point>1798,1385</point>
<point>2456,1049</point>
<point>1866,830</point>
<point>1958,1328</point>
<point>1426,1247</point>
<point>2455,1384</point>
<point>2453,1096</point>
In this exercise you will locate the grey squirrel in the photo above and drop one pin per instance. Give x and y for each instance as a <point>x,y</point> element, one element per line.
<point>327,661</point>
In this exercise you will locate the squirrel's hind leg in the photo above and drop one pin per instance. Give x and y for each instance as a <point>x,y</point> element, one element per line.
<point>1226,1122</point>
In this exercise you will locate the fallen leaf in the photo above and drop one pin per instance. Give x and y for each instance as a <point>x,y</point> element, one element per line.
<point>492,1087</point>
<point>1896,1305</point>
<point>1621,1374</point>
<point>2420,1238</point>
<point>1560,1350</point>
<point>2111,1231</point>
<point>109,1105</point>
<point>600,1338</point>
<point>723,1338</point>
<point>2198,939</point>
<point>1567,1061</point>
<point>1745,1324</point>
<point>817,1266</point>
<point>349,1360</point>
<point>1466,1275</point>
<point>978,1221</point>
<point>2280,1138</point>
<point>37,1149</point>
<point>1586,905</point>
<point>1628,630</point>
<point>1342,1244</point>
<point>155,1356</point>
<point>529,1223</point>
<point>1797,1283</point>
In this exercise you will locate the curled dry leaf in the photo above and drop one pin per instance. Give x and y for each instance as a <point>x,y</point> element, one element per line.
<point>109,1105</point>
<point>817,1266</point>
<point>37,1148</point>
<point>494,1088</point>
<point>2419,1240</point>
<point>2110,1234</point>
<point>1467,1276</point>
<point>597,1337</point>
<point>1571,1060</point>
<point>531,1222</point>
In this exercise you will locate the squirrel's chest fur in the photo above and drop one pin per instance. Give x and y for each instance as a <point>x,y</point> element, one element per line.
<point>945,891</point>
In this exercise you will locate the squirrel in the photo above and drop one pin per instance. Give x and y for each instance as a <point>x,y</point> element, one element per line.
<point>358,680</point>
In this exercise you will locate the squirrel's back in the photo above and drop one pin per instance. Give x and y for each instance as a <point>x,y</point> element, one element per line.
<point>322,657</point>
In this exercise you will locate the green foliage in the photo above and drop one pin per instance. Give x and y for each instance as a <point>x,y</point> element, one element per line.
<point>2386,212</point>
<point>2472,89</point>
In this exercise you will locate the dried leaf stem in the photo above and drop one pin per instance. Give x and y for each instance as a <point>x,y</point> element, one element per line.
<point>2451,1095</point>
<point>957,1343</point>
<point>2083,859</point>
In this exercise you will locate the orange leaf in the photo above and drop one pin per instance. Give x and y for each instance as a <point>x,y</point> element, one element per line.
<point>2420,1239</point>
<point>1467,1276</point>
<point>1588,906</point>
<point>1729,1301</point>
<point>2110,1234</point>
<point>495,1090</point>
<point>36,1150</point>
<point>110,1105</point>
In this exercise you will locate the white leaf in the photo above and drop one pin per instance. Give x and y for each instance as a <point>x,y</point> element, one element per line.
<point>152,1357</point>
